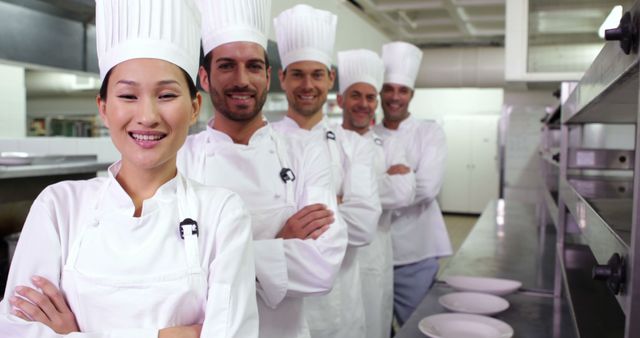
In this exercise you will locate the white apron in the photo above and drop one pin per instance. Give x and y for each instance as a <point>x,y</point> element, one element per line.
<point>334,315</point>
<point>287,318</point>
<point>376,263</point>
<point>157,301</point>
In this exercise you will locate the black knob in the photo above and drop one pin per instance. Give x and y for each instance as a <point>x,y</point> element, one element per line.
<point>625,33</point>
<point>613,273</point>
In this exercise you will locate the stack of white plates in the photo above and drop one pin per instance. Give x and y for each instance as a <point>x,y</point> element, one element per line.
<point>478,300</point>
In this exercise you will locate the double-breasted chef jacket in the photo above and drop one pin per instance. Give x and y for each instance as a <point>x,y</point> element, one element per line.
<point>418,231</point>
<point>376,259</point>
<point>341,312</point>
<point>126,276</point>
<point>276,176</point>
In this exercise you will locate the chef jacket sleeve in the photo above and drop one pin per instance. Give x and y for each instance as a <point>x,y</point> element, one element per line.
<point>431,162</point>
<point>360,207</point>
<point>396,191</point>
<point>296,267</point>
<point>39,252</point>
<point>231,309</point>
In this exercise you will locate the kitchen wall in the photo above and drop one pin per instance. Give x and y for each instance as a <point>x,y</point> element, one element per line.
<point>523,110</point>
<point>436,103</point>
<point>12,102</point>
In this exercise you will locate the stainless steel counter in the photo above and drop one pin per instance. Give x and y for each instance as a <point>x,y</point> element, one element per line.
<point>530,315</point>
<point>51,169</point>
<point>25,182</point>
<point>506,242</point>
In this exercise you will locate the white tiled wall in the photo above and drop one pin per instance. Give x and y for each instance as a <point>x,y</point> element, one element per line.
<point>13,100</point>
<point>101,146</point>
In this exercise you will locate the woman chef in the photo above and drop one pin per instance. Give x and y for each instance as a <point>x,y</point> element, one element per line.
<point>143,252</point>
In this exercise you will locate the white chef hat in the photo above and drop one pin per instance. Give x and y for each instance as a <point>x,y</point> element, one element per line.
<point>401,63</point>
<point>225,21</point>
<point>160,29</point>
<point>305,34</point>
<point>360,65</point>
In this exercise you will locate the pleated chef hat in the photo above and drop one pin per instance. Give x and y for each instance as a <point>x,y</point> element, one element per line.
<point>401,63</point>
<point>160,29</point>
<point>305,34</point>
<point>360,65</point>
<point>225,21</point>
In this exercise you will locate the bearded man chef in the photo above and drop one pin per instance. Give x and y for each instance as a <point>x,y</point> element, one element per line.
<point>143,252</point>
<point>285,182</point>
<point>305,42</point>
<point>361,73</point>
<point>419,236</point>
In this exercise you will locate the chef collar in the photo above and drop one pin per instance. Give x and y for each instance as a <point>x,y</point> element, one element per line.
<point>117,199</point>
<point>257,137</point>
<point>407,123</point>
<point>404,124</point>
<point>322,125</point>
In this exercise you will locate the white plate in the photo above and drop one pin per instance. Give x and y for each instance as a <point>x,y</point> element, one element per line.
<point>473,302</point>
<point>494,286</point>
<point>462,325</point>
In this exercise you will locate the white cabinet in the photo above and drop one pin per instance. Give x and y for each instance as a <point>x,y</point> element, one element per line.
<point>472,174</point>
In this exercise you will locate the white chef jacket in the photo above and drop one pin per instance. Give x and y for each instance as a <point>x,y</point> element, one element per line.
<point>376,259</point>
<point>418,231</point>
<point>126,276</point>
<point>286,270</point>
<point>341,312</point>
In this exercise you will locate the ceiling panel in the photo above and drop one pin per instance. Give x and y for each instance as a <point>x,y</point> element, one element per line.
<point>482,22</point>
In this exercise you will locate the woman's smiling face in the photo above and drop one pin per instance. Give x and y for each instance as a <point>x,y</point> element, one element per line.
<point>148,111</point>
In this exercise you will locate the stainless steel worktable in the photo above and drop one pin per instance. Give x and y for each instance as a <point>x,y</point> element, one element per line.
<point>506,242</point>
<point>51,169</point>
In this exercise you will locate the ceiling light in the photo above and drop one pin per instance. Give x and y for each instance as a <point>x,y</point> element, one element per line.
<point>612,20</point>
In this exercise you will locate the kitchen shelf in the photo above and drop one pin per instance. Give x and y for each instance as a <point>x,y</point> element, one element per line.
<point>608,91</point>
<point>551,202</point>
<point>549,157</point>
<point>595,187</point>
<point>589,158</point>
<point>595,313</point>
<point>604,223</point>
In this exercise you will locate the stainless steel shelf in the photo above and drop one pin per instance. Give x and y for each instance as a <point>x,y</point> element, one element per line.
<point>598,187</point>
<point>587,158</point>
<point>595,313</point>
<point>608,91</point>
<point>551,202</point>
<point>548,157</point>
<point>605,223</point>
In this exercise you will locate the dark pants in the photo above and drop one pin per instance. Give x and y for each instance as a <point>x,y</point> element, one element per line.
<point>411,282</point>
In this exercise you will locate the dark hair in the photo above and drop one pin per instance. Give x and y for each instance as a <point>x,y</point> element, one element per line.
<point>105,83</point>
<point>206,61</point>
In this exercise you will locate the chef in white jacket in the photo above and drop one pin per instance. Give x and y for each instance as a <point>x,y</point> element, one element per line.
<point>285,181</point>
<point>305,42</point>
<point>361,73</point>
<point>143,252</point>
<point>419,236</point>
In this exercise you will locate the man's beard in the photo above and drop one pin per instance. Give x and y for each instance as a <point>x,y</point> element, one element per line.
<point>221,107</point>
<point>307,111</point>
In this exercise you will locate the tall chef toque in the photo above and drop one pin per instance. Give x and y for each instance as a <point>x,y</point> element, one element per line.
<point>401,63</point>
<point>225,21</point>
<point>360,65</point>
<point>159,29</point>
<point>305,34</point>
